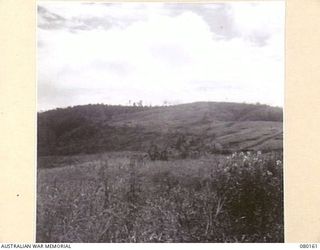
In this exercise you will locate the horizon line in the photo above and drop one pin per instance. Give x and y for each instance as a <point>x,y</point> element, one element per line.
<point>159,106</point>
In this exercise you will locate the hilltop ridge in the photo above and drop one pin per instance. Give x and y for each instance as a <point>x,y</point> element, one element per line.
<point>96,128</point>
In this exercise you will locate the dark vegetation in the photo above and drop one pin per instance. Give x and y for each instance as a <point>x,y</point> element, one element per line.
<point>199,127</point>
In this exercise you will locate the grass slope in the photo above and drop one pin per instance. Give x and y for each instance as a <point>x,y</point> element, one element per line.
<point>114,197</point>
<point>100,128</point>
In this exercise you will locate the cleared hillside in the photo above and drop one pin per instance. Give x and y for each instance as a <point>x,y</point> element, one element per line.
<point>202,126</point>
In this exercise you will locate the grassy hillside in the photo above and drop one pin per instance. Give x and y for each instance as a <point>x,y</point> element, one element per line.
<point>199,127</point>
<point>94,183</point>
<point>117,197</point>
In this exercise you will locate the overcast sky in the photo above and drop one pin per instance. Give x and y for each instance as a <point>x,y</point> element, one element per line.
<point>156,52</point>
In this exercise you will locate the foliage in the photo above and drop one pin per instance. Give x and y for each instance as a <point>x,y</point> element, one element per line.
<point>124,198</point>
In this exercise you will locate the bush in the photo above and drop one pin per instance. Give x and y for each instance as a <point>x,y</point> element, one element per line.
<point>251,186</point>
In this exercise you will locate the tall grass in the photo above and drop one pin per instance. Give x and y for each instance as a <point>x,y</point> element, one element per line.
<point>235,198</point>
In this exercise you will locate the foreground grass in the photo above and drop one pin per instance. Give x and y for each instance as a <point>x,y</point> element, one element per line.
<point>121,198</point>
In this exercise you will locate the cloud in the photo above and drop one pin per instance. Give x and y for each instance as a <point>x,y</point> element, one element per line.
<point>254,21</point>
<point>218,16</point>
<point>49,20</point>
<point>156,52</point>
<point>88,16</point>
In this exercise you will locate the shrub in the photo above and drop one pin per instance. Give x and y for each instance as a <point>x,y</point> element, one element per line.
<point>252,187</point>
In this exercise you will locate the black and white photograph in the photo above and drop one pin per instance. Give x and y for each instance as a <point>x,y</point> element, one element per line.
<point>160,122</point>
